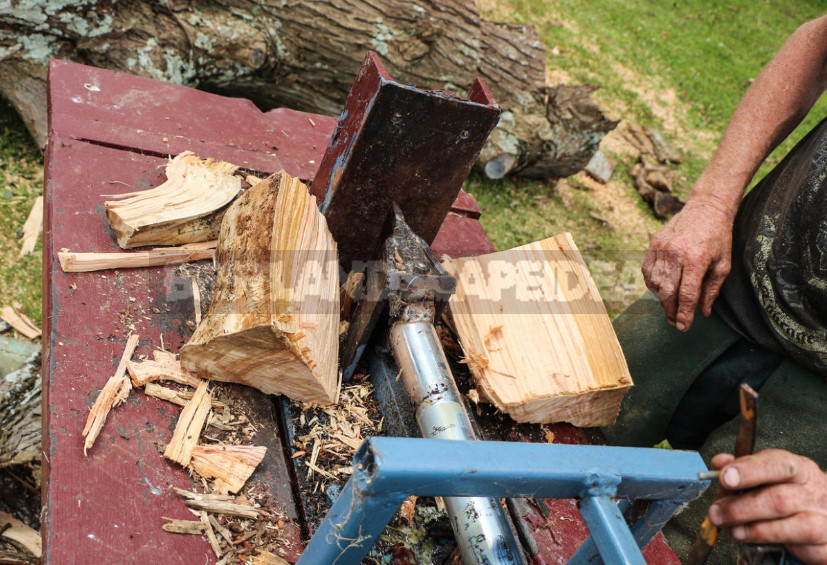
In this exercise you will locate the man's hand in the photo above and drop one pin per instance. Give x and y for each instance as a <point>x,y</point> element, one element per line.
<point>785,502</point>
<point>688,261</point>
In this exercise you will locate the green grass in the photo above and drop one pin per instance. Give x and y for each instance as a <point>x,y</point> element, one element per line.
<point>679,66</point>
<point>21,181</point>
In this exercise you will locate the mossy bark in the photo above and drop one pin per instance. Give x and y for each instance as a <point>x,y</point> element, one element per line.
<point>305,55</point>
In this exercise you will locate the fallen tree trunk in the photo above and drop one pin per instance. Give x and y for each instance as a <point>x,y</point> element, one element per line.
<point>305,55</point>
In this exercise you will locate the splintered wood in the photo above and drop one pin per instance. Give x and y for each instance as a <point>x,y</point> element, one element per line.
<point>19,322</point>
<point>32,228</point>
<point>19,534</point>
<point>273,322</point>
<point>164,368</point>
<point>113,393</point>
<point>186,208</point>
<point>536,335</point>
<point>85,262</point>
<point>189,426</point>
<point>229,465</point>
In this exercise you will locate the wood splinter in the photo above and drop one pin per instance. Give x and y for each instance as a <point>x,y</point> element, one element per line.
<point>189,426</point>
<point>84,262</point>
<point>164,367</point>
<point>113,393</point>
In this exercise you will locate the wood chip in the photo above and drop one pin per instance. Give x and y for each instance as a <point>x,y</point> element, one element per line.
<point>20,322</point>
<point>267,558</point>
<point>85,262</point>
<point>408,509</point>
<point>164,368</point>
<point>113,393</point>
<point>196,298</point>
<point>222,531</point>
<point>229,465</point>
<point>183,526</point>
<point>19,534</point>
<point>176,396</point>
<point>32,227</point>
<point>189,426</point>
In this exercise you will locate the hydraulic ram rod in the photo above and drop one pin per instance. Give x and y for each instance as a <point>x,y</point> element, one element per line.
<point>481,529</point>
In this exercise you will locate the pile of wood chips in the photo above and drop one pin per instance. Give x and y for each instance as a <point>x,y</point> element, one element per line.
<point>212,440</point>
<point>327,437</point>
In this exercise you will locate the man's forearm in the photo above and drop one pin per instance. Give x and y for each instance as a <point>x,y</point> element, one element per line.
<point>771,108</point>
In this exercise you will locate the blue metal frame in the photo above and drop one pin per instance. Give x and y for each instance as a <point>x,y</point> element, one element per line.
<point>387,470</point>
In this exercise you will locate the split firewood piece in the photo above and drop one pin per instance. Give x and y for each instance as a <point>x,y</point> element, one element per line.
<point>164,368</point>
<point>663,148</point>
<point>32,227</point>
<point>20,322</point>
<point>186,208</point>
<point>19,534</point>
<point>229,465</point>
<point>273,323</point>
<point>114,392</point>
<point>183,526</point>
<point>536,335</point>
<point>189,426</point>
<point>84,262</point>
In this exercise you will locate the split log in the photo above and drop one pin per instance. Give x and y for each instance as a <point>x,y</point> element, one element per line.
<point>536,335</point>
<point>84,262</point>
<point>304,55</point>
<point>113,393</point>
<point>32,227</point>
<point>186,208</point>
<point>273,323</point>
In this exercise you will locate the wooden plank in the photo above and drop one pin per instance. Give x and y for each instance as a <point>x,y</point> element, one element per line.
<point>163,119</point>
<point>536,334</point>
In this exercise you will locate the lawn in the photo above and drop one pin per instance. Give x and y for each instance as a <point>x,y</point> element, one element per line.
<point>680,67</point>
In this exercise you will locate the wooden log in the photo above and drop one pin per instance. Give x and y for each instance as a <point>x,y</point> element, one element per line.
<point>32,227</point>
<point>20,414</point>
<point>273,323</point>
<point>114,392</point>
<point>536,335</point>
<point>304,55</point>
<point>83,262</point>
<point>186,208</point>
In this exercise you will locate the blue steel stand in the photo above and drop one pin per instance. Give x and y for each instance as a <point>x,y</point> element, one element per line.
<point>388,470</point>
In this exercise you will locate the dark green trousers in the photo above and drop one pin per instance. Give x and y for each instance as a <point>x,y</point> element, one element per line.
<point>665,363</point>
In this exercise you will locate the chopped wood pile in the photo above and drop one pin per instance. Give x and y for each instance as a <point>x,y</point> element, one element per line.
<point>187,208</point>
<point>274,321</point>
<point>536,335</point>
<point>652,174</point>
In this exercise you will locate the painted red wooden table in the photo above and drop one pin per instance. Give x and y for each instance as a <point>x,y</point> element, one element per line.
<point>112,133</point>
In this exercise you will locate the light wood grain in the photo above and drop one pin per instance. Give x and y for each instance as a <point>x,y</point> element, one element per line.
<point>273,323</point>
<point>536,335</point>
<point>84,262</point>
<point>186,208</point>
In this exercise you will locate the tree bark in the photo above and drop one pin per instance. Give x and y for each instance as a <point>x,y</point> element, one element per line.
<point>20,415</point>
<point>305,55</point>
